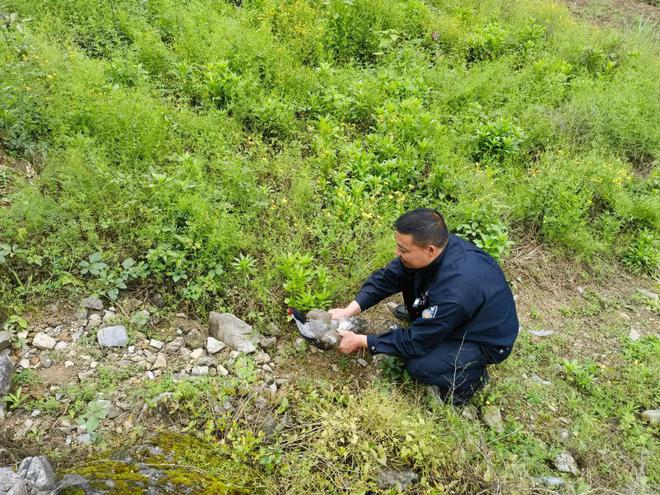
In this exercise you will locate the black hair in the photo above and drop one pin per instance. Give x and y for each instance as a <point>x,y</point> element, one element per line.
<point>425,225</point>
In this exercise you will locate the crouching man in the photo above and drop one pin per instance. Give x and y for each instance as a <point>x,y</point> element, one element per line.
<point>461,310</point>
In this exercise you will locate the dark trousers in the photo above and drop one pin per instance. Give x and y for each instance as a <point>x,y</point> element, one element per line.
<point>457,368</point>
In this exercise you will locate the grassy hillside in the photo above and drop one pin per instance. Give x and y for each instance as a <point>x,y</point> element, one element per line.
<point>241,156</point>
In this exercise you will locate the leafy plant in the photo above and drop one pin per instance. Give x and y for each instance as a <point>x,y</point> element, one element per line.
<point>643,254</point>
<point>492,238</point>
<point>497,139</point>
<point>94,414</point>
<point>15,400</point>
<point>306,287</point>
<point>245,265</point>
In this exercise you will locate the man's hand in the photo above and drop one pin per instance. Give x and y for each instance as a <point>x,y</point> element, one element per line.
<point>351,342</point>
<point>350,310</point>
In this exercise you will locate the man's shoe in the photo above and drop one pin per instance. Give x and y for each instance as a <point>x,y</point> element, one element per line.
<point>399,311</point>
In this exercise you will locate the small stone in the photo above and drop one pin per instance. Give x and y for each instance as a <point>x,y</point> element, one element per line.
<point>268,342</point>
<point>150,375</point>
<point>234,354</point>
<point>44,341</point>
<point>160,362</point>
<point>195,338</point>
<point>93,365</point>
<point>213,345</point>
<point>550,481</point>
<point>200,371</point>
<point>362,362</point>
<point>213,371</point>
<point>492,416</point>
<point>156,344</point>
<point>267,368</point>
<point>60,346</point>
<point>206,361</point>
<point>565,463</point>
<point>92,302</point>
<point>299,343</point>
<point>542,333</point>
<point>634,334</point>
<point>272,388</point>
<point>564,435</point>
<point>539,380</point>
<point>262,357</point>
<point>651,416</point>
<point>46,362</point>
<point>5,340</point>
<point>222,371</point>
<point>623,316</point>
<point>38,474</point>
<point>24,363</point>
<point>85,375</point>
<point>174,345</point>
<point>648,294</point>
<point>115,336</point>
<point>68,364</point>
<point>94,321</point>
<point>84,439</point>
<point>394,479</point>
<point>196,354</point>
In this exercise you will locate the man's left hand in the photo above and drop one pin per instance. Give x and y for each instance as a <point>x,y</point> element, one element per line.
<point>351,342</point>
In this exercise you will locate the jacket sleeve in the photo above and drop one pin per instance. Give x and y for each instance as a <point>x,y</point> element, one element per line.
<point>423,335</point>
<point>381,284</point>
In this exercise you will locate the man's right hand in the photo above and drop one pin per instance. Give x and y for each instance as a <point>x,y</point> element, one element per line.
<point>350,310</point>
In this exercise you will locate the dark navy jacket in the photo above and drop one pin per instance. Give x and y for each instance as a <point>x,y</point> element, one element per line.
<point>468,299</point>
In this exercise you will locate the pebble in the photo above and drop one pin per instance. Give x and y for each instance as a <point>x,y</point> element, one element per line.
<point>68,364</point>
<point>92,302</point>
<point>115,336</point>
<point>200,371</point>
<point>651,416</point>
<point>634,334</point>
<point>362,362</point>
<point>550,481</point>
<point>156,344</point>
<point>85,375</point>
<point>493,418</point>
<point>5,340</point>
<point>213,345</point>
<point>160,362</point>
<point>196,354</point>
<point>24,363</point>
<point>222,371</point>
<point>60,346</point>
<point>540,381</point>
<point>94,321</point>
<point>150,375</point>
<point>262,357</point>
<point>541,333</point>
<point>648,294</point>
<point>46,362</point>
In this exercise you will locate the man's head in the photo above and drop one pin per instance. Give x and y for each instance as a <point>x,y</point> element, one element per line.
<point>420,235</point>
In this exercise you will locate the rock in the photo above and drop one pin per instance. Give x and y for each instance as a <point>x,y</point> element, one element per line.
<point>195,338</point>
<point>68,364</point>
<point>5,340</point>
<point>222,371</point>
<point>156,344</point>
<point>540,381</point>
<point>6,369</point>
<point>115,336</point>
<point>92,302</point>
<point>213,345</point>
<point>272,389</point>
<point>394,479</point>
<point>46,362</point>
<point>37,474</point>
<point>196,354</point>
<point>542,333</point>
<point>262,357</point>
<point>157,300</point>
<point>85,375</point>
<point>200,371</point>
<point>174,345</point>
<point>24,363</point>
<point>160,362</point>
<point>492,416</point>
<point>233,331</point>
<point>74,481</point>
<point>651,416</point>
<point>565,463</point>
<point>550,481</point>
<point>634,334</point>
<point>648,294</point>
<point>362,362</point>
<point>44,341</point>
<point>60,346</point>
<point>268,342</point>
<point>11,483</point>
<point>299,344</point>
<point>206,361</point>
<point>94,321</point>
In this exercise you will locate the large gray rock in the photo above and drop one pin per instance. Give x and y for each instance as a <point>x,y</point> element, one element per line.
<point>6,369</point>
<point>11,483</point>
<point>38,475</point>
<point>233,331</point>
<point>115,336</point>
<point>5,340</point>
<point>399,480</point>
<point>44,342</point>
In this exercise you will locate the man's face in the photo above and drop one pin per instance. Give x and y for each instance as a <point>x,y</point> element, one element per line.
<point>412,255</point>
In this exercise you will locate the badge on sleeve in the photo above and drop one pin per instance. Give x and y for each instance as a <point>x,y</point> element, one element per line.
<point>429,313</point>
